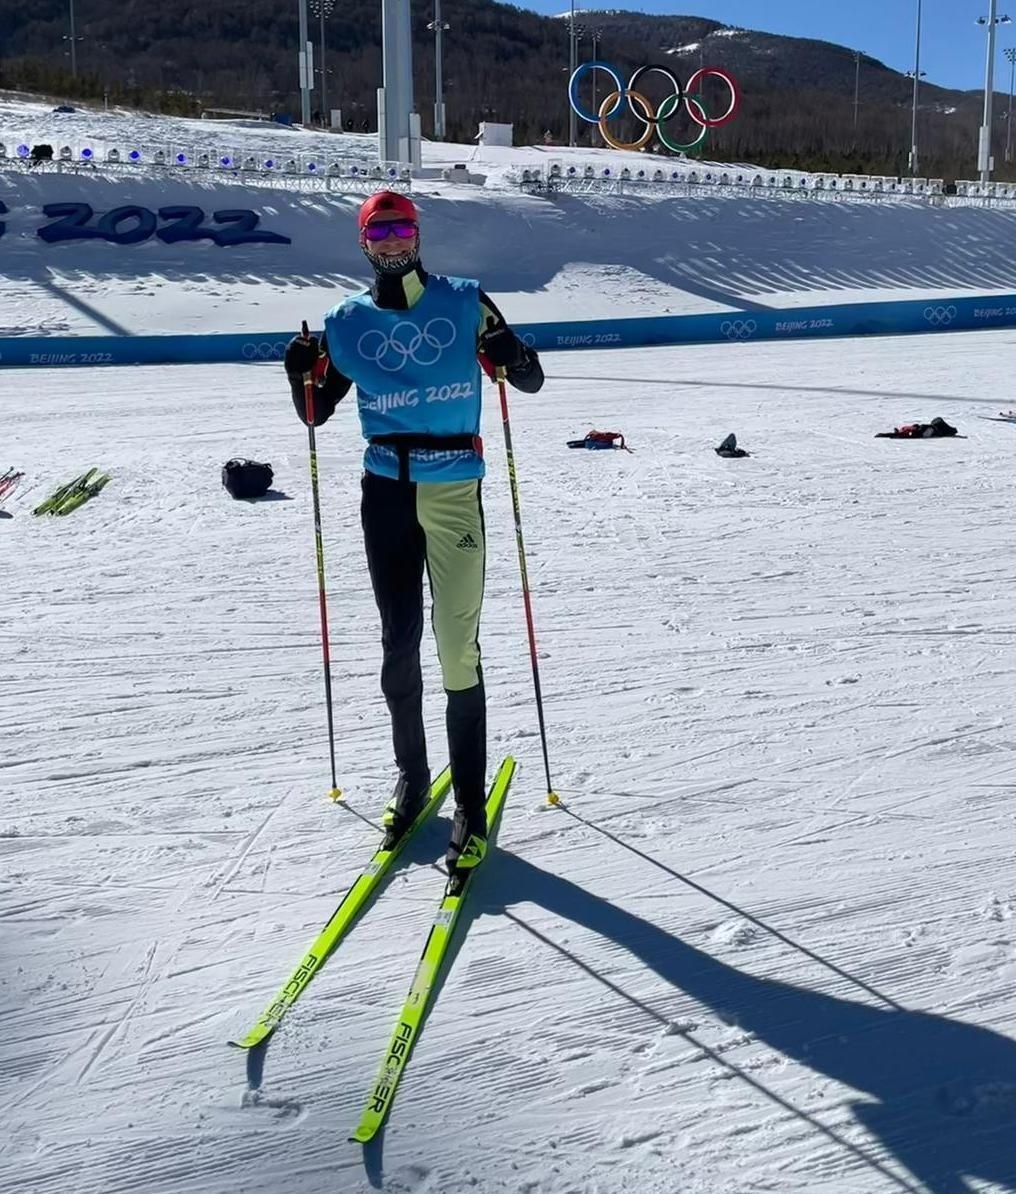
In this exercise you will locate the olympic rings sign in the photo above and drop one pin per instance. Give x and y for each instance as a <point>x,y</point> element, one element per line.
<point>264,351</point>
<point>408,342</point>
<point>642,109</point>
<point>738,329</point>
<point>940,317</point>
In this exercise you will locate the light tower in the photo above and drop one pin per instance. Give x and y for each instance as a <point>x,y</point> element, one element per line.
<point>323,10</point>
<point>984,159</point>
<point>305,65</point>
<point>917,86</point>
<point>439,28</point>
<point>398,125</point>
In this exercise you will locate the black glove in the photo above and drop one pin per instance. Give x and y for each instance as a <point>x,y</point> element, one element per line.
<point>301,355</point>
<point>503,349</point>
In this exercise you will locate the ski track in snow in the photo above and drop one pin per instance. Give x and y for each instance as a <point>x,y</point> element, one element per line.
<point>766,946</point>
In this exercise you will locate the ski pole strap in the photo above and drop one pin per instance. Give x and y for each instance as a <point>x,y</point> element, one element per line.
<point>404,443</point>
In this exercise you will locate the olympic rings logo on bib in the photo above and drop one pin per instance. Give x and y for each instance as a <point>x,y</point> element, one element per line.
<point>407,342</point>
<point>642,108</point>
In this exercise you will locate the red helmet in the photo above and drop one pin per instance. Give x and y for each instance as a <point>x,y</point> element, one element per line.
<point>387,205</point>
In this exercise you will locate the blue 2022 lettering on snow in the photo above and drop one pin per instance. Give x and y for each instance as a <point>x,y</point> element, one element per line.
<point>130,225</point>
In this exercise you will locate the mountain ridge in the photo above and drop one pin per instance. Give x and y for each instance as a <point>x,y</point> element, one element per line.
<point>501,63</point>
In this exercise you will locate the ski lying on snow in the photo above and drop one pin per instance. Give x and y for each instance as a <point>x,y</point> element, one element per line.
<point>434,952</point>
<point>82,495</point>
<point>340,922</point>
<point>46,506</point>
<point>9,482</point>
<point>65,492</point>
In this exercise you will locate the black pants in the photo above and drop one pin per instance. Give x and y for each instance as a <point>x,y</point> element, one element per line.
<point>408,526</point>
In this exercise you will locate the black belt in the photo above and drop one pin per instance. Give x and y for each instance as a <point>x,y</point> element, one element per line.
<point>404,443</point>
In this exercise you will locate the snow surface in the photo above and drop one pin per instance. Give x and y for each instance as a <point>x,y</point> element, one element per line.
<point>767,943</point>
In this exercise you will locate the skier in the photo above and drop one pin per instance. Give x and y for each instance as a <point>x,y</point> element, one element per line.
<point>411,346</point>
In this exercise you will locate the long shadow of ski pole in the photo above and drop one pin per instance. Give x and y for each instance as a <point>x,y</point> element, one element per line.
<point>741,912</point>
<point>941,1092</point>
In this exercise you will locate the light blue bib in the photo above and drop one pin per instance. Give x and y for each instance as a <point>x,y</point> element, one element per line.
<point>416,372</point>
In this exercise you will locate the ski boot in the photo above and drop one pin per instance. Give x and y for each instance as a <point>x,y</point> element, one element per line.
<point>468,842</point>
<point>408,799</point>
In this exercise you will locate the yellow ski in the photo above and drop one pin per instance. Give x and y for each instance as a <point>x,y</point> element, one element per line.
<point>408,1026</point>
<point>341,922</point>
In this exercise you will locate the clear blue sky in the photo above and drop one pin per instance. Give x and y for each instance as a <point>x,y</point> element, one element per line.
<point>952,46</point>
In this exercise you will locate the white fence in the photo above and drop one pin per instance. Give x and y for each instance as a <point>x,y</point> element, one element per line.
<point>559,176</point>
<point>986,190</point>
<point>323,170</point>
<point>295,171</point>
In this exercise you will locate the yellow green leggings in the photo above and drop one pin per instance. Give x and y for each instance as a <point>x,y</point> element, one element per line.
<point>439,526</point>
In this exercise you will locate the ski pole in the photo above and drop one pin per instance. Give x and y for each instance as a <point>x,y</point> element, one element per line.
<point>308,398</point>
<point>552,796</point>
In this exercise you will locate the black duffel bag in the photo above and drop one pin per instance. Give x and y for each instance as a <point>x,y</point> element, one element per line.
<point>247,478</point>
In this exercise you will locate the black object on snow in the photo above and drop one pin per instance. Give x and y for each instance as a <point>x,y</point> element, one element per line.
<point>729,449</point>
<point>247,478</point>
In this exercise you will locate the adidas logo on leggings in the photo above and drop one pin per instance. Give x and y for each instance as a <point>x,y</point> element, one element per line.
<point>467,543</point>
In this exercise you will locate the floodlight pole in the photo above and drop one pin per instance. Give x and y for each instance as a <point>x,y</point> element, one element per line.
<point>572,65</point>
<point>1011,56</point>
<point>438,28</point>
<point>304,64</point>
<point>324,83</point>
<point>398,124</point>
<point>917,85</point>
<point>984,162</point>
<point>74,44</point>
<point>857,88</point>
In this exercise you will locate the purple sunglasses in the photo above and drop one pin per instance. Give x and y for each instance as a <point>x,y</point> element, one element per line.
<point>403,229</point>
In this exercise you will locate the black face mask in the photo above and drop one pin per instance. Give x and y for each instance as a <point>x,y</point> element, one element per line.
<point>393,266</point>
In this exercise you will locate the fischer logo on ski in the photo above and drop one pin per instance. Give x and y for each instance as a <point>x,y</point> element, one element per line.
<point>340,922</point>
<point>435,952</point>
